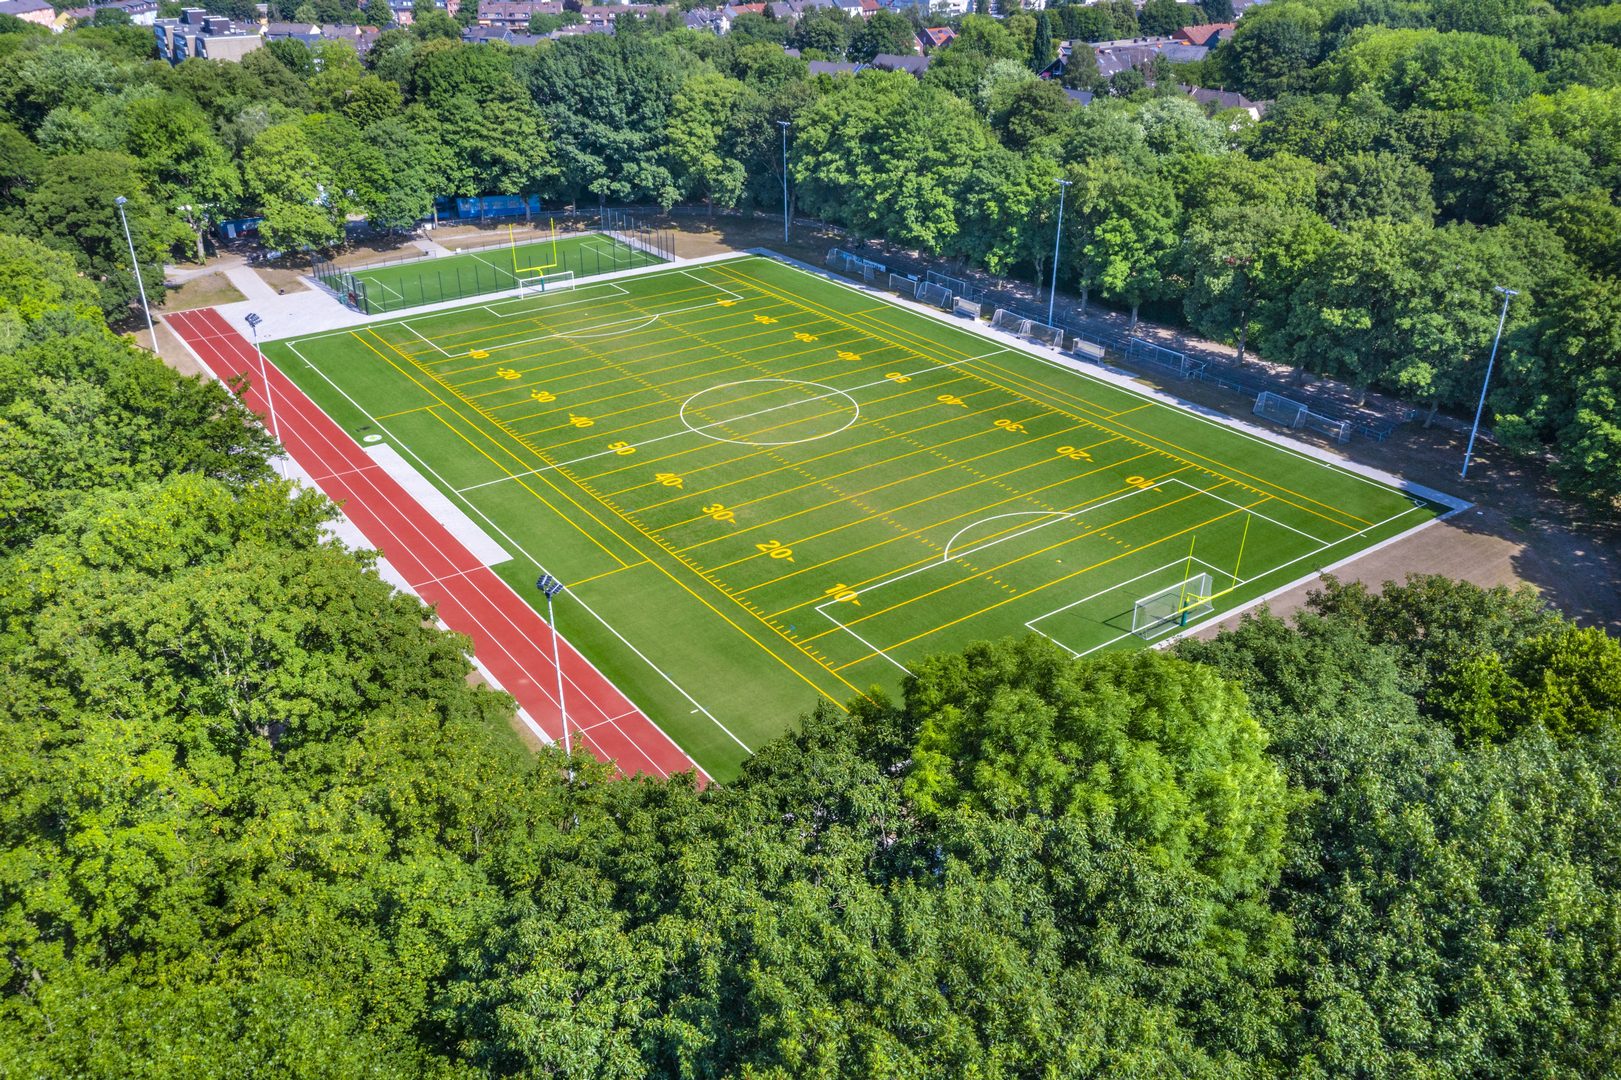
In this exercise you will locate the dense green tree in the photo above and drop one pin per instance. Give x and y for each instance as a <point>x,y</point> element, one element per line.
<point>72,209</point>
<point>708,129</point>
<point>1375,187</point>
<point>888,156</point>
<point>1273,49</point>
<point>606,101</point>
<point>1126,232</point>
<point>961,66</point>
<point>1160,17</point>
<point>1245,263</point>
<point>827,30</point>
<point>297,190</point>
<point>885,32</point>
<point>1042,49</point>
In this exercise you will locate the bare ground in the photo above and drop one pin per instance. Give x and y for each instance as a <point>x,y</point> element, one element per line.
<point>204,290</point>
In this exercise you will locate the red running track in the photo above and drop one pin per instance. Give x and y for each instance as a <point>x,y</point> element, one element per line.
<point>512,643</point>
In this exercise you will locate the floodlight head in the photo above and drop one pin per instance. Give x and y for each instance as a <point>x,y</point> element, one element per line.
<point>120,200</point>
<point>1506,291</point>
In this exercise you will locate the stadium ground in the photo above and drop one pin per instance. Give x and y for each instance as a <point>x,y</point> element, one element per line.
<point>762,487</point>
<point>404,285</point>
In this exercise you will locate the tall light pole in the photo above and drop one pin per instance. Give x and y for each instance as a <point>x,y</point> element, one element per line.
<point>550,586</point>
<point>1508,294</point>
<point>136,264</point>
<point>1052,293</point>
<point>253,322</point>
<point>783,124</point>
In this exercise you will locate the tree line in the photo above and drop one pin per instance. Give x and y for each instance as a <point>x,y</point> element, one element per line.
<point>255,821</point>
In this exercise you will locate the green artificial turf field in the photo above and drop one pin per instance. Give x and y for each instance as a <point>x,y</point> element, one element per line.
<point>403,285</point>
<point>761,486</point>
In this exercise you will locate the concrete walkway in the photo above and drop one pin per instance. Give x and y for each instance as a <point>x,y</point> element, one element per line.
<point>249,284</point>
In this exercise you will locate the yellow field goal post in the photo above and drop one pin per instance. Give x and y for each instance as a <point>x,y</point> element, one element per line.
<point>1173,607</point>
<point>533,248</point>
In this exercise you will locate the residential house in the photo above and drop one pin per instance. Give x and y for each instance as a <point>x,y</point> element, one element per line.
<point>830,67</point>
<point>1207,34</point>
<point>709,20</point>
<point>37,12</point>
<point>1226,99</point>
<point>361,38</point>
<point>515,14</point>
<point>1116,56</point>
<point>1079,97</point>
<point>914,66</point>
<point>935,37</point>
<point>198,34</point>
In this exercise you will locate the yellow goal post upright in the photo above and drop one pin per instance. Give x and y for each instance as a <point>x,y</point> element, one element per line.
<point>1175,606</point>
<point>522,272</point>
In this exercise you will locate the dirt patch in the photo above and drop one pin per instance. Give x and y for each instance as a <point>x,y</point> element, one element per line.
<point>205,290</point>
<point>282,279</point>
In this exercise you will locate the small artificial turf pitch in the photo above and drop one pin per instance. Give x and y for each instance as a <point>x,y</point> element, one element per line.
<point>761,486</point>
<point>403,285</point>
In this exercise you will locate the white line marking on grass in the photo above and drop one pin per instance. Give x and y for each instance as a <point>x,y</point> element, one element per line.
<point>875,650</point>
<point>1221,615</point>
<point>580,294</point>
<point>1031,625</point>
<point>1299,532</point>
<point>492,266</point>
<point>610,627</point>
<point>413,330</point>
<point>1125,381</point>
<point>688,429</point>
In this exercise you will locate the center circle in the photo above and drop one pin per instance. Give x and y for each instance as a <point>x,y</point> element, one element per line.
<point>769,412</point>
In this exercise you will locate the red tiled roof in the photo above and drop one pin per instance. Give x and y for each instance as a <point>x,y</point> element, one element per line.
<point>1201,34</point>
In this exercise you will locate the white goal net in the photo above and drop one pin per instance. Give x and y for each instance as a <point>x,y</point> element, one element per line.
<point>544,283</point>
<point>1010,321</point>
<point>937,296</point>
<point>1173,607</point>
<point>1280,410</point>
<point>1046,335</point>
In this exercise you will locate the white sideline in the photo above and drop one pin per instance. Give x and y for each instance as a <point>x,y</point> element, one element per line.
<point>447,513</point>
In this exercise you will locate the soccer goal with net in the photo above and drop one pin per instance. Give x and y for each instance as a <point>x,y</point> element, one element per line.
<point>1046,335</point>
<point>1010,321</point>
<point>935,295</point>
<point>1173,607</point>
<point>1280,410</point>
<point>544,283</point>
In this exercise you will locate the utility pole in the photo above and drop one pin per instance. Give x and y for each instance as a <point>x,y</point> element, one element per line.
<point>1508,294</point>
<point>1052,293</point>
<point>135,264</point>
<point>783,124</point>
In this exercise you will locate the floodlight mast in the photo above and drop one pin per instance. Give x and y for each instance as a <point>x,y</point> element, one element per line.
<point>253,321</point>
<point>135,264</point>
<point>1508,294</point>
<point>550,587</point>
<point>783,124</point>
<point>1058,236</point>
